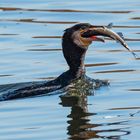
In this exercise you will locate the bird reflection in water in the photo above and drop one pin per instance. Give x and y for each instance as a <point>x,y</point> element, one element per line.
<point>79,125</point>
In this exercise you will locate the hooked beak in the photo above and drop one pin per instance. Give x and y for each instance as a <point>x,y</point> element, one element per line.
<point>95,31</point>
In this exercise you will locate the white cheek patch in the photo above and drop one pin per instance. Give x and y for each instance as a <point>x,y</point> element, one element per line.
<point>76,39</point>
<point>79,41</point>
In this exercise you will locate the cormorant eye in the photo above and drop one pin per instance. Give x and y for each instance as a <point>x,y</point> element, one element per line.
<point>83,27</point>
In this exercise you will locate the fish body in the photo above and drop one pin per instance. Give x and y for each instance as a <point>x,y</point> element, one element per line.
<point>107,32</point>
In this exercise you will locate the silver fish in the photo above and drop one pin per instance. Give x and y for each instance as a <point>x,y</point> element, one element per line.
<point>109,33</point>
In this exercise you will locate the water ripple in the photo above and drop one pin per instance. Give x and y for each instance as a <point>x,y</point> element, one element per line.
<point>116,71</point>
<point>64,10</point>
<point>100,64</point>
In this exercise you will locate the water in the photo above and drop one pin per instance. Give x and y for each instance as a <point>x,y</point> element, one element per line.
<point>30,50</point>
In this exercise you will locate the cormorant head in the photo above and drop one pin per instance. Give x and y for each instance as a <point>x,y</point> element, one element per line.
<point>76,35</point>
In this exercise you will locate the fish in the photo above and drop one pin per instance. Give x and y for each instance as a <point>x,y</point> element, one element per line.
<point>107,32</point>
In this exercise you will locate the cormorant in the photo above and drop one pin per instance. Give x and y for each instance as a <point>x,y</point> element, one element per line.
<point>75,43</point>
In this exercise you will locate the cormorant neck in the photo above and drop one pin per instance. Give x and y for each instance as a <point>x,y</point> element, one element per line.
<point>74,56</point>
<point>77,67</point>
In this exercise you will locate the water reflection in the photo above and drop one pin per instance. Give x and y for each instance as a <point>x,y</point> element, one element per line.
<point>79,125</point>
